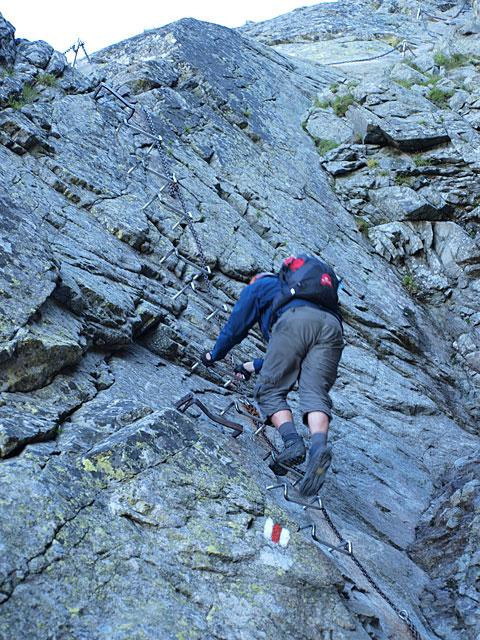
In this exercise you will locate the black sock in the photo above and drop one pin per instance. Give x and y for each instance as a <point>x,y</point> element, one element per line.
<point>318,441</point>
<point>288,432</point>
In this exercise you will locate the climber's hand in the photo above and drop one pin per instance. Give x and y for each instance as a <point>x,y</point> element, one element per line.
<point>244,370</point>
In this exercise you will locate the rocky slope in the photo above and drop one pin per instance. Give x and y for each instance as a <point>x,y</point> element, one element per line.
<point>123,518</point>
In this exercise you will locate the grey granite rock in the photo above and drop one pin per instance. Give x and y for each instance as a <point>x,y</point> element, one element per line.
<point>37,53</point>
<point>403,203</point>
<point>7,42</point>
<point>122,518</point>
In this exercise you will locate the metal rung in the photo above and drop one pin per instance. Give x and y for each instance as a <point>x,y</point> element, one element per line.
<point>118,97</point>
<point>285,488</point>
<point>260,429</point>
<point>167,255</point>
<point>172,208</point>
<point>182,219</point>
<point>135,166</point>
<point>344,547</point>
<point>215,311</point>
<point>204,272</point>
<point>160,175</point>
<point>229,406</point>
<point>227,383</point>
<point>210,315</point>
<point>157,138</point>
<point>194,367</point>
<point>145,206</point>
<point>189,284</point>
<point>182,290</point>
<point>157,195</point>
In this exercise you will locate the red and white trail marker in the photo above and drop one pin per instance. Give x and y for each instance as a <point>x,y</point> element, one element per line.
<point>276,533</point>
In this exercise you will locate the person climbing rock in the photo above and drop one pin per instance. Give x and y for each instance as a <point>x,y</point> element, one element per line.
<point>298,314</point>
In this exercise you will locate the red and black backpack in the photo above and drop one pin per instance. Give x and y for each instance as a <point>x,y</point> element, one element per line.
<point>308,278</point>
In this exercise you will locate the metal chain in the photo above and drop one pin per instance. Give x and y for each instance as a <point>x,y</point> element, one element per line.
<point>381,55</point>
<point>401,613</point>
<point>176,193</point>
<point>431,15</point>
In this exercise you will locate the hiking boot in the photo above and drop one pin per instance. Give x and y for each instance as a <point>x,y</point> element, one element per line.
<point>317,467</point>
<point>292,454</point>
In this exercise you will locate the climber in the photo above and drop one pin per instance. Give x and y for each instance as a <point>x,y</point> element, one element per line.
<point>298,314</point>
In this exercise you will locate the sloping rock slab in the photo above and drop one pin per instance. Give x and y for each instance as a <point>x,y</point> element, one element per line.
<point>27,269</point>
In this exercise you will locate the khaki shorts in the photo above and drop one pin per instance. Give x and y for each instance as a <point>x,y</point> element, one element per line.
<point>306,345</point>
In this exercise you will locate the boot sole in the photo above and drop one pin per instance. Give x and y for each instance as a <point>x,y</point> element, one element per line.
<point>315,474</point>
<point>282,468</point>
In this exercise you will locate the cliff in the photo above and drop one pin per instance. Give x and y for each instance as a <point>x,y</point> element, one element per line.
<point>123,518</point>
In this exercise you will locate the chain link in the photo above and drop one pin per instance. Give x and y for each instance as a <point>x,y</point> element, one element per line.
<point>176,193</point>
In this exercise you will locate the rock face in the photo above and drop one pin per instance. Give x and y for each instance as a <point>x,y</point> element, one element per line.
<point>123,518</point>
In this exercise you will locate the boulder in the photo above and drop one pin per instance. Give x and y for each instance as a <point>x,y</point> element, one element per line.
<point>7,42</point>
<point>401,203</point>
<point>36,53</point>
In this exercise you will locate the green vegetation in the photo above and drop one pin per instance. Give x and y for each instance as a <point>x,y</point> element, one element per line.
<point>411,63</point>
<point>406,84</point>
<point>420,161</point>
<point>472,232</point>
<point>29,94</point>
<point>431,80</point>
<point>362,225</point>
<point>247,113</point>
<point>321,104</point>
<point>141,85</point>
<point>341,104</point>
<point>453,61</point>
<point>393,41</point>
<point>440,97</point>
<point>30,91</point>
<point>324,146</point>
<point>410,283</point>
<point>403,181</point>
<point>46,79</point>
<point>372,163</point>
<point>7,72</point>
<point>358,138</point>
<point>383,172</point>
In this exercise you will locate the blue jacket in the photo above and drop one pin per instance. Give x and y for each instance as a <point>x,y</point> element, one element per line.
<point>254,305</point>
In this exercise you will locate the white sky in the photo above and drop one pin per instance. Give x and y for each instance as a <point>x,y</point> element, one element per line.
<point>102,22</point>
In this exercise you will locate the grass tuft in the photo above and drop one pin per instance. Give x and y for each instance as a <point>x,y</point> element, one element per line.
<point>324,146</point>
<point>440,97</point>
<point>341,104</point>
<point>362,225</point>
<point>410,283</point>
<point>403,181</point>
<point>420,161</point>
<point>46,79</point>
<point>453,61</point>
